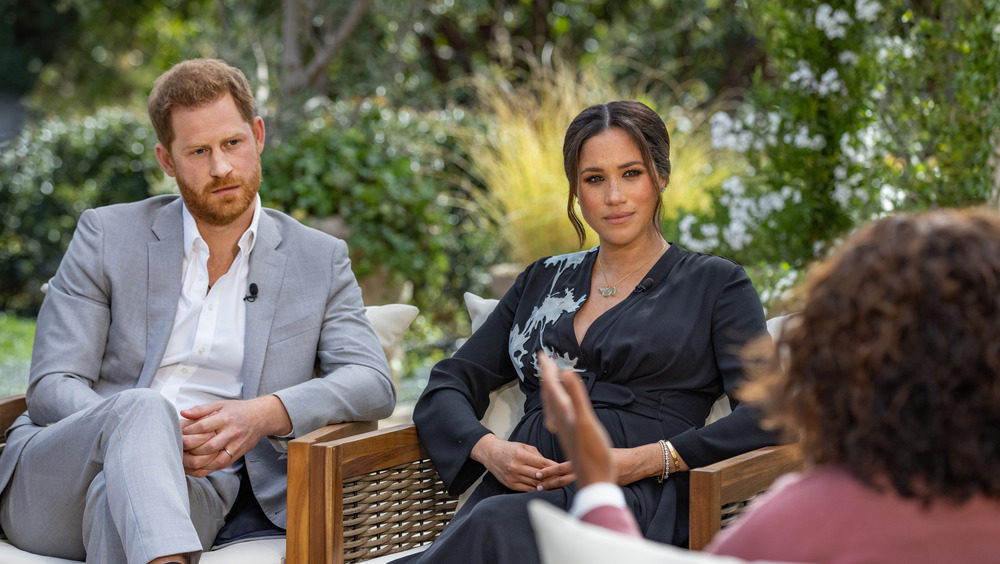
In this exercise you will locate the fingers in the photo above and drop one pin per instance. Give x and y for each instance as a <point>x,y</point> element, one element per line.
<point>208,422</point>
<point>515,465</point>
<point>557,482</point>
<point>202,465</point>
<point>192,442</point>
<point>558,407</point>
<point>199,411</point>
<point>556,476</point>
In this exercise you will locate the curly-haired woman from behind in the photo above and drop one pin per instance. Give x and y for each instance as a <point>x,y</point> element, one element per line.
<point>890,380</point>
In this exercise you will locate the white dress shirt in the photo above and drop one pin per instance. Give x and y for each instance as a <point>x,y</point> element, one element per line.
<point>205,351</point>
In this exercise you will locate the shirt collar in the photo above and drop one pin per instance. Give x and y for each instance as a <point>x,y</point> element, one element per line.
<point>192,236</point>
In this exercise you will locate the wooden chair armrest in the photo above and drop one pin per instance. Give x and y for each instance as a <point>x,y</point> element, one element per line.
<point>375,493</point>
<point>734,480</point>
<point>10,408</point>
<point>299,498</point>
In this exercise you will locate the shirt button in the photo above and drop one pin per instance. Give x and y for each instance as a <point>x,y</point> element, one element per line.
<point>201,350</point>
<point>184,370</point>
<point>211,307</point>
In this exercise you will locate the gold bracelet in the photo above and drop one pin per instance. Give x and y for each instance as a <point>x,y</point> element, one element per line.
<point>666,466</point>
<point>674,456</point>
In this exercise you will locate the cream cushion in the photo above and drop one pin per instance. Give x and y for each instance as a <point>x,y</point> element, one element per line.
<point>565,540</point>
<point>269,551</point>
<point>389,322</point>
<point>506,402</point>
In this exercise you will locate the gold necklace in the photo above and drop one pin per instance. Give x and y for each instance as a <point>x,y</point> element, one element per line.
<point>609,290</point>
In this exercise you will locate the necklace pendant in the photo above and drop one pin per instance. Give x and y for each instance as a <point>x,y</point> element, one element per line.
<point>606,291</point>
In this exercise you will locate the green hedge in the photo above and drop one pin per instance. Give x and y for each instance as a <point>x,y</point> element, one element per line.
<point>49,175</point>
<point>388,175</point>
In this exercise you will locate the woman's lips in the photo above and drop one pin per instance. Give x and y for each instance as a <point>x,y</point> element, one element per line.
<point>617,218</point>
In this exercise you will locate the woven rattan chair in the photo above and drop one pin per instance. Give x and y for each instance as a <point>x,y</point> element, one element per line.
<point>379,494</point>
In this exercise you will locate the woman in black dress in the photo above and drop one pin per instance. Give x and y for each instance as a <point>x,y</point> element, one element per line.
<point>654,331</point>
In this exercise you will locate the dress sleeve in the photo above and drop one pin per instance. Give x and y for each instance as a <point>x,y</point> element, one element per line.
<point>458,392</point>
<point>737,318</point>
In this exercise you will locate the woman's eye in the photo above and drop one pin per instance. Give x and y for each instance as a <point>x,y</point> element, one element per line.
<point>632,173</point>
<point>593,179</point>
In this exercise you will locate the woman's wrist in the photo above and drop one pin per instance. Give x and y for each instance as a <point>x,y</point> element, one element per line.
<point>483,447</point>
<point>676,462</point>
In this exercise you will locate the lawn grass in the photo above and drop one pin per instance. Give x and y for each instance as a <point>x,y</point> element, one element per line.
<point>16,336</point>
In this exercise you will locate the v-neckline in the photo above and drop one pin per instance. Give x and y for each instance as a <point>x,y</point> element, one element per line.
<point>653,269</point>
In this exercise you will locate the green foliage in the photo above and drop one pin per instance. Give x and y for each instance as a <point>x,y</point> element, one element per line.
<point>863,109</point>
<point>411,53</point>
<point>30,32</point>
<point>16,338</point>
<point>385,173</point>
<point>49,175</point>
<point>110,51</point>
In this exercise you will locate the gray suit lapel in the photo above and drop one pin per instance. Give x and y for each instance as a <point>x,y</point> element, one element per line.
<point>166,260</point>
<point>267,270</point>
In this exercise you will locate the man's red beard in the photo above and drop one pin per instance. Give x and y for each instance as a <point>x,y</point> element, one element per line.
<point>221,210</point>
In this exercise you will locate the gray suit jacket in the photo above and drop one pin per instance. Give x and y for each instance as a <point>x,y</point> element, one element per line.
<point>104,325</point>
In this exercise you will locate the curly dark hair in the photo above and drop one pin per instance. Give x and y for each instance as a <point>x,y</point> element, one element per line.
<point>892,367</point>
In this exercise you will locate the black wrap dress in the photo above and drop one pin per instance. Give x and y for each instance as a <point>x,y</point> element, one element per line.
<point>654,364</point>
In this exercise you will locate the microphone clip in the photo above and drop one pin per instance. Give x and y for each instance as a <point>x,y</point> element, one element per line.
<point>646,284</point>
<point>252,296</point>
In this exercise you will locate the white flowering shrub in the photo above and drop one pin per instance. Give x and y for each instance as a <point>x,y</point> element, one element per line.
<point>865,107</point>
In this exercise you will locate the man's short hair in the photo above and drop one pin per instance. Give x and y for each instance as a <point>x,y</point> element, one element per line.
<point>193,84</point>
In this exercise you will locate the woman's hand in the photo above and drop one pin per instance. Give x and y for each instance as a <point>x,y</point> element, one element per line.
<point>518,466</point>
<point>570,416</point>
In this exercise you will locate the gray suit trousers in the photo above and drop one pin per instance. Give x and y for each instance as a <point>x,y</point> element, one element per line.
<point>115,469</point>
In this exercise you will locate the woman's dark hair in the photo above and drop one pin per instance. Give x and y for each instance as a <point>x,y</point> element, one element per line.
<point>892,367</point>
<point>640,123</point>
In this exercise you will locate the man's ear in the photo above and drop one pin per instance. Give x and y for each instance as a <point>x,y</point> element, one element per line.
<point>258,133</point>
<point>166,161</point>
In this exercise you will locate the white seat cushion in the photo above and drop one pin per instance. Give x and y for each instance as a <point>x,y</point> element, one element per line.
<point>264,551</point>
<point>564,540</point>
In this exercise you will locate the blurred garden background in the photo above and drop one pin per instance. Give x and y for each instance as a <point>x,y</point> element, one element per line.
<point>428,133</point>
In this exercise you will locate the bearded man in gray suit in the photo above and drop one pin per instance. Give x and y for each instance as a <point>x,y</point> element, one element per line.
<point>176,349</point>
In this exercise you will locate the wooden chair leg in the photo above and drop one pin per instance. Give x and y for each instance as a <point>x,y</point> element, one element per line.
<point>302,485</point>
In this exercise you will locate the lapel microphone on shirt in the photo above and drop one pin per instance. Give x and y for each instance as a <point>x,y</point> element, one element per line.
<point>252,296</point>
<point>644,285</point>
